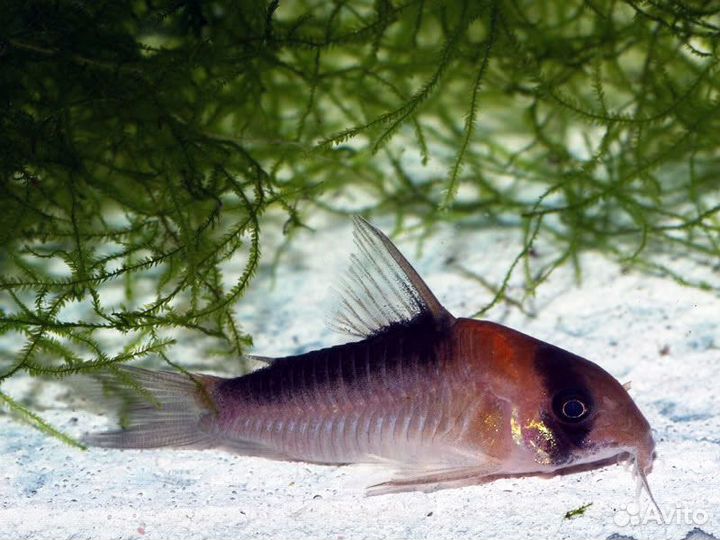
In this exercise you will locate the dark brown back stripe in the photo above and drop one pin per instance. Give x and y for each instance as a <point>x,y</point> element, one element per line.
<point>383,358</point>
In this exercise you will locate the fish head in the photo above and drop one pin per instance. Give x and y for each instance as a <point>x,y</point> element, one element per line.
<point>584,417</point>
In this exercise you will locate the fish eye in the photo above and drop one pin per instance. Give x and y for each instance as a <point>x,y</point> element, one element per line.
<point>571,406</point>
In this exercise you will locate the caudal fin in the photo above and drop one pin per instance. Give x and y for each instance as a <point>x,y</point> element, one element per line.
<point>176,411</point>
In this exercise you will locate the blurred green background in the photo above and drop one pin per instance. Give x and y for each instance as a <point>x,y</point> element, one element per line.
<point>141,143</point>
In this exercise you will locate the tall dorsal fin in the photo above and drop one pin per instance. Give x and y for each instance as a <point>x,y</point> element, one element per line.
<point>381,288</point>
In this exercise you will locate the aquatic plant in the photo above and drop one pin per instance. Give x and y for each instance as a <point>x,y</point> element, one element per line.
<point>141,143</point>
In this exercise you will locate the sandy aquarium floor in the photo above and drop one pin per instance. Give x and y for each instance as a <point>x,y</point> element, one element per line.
<point>663,337</point>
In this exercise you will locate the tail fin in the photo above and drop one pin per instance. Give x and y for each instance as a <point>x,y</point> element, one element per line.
<point>176,412</point>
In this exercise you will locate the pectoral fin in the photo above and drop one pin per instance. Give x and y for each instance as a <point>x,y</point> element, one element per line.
<point>429,480</point>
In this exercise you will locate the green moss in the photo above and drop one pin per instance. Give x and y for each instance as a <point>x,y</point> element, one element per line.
<point>577,512</point>
<point>140,144</point>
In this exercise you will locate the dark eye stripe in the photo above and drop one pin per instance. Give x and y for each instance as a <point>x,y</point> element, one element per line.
<point>559,372</point>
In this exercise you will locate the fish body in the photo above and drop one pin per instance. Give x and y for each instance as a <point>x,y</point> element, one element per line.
<point>444,401</point>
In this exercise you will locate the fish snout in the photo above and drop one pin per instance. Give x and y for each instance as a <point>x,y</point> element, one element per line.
<point>646,454</point>
<point>631,435</point>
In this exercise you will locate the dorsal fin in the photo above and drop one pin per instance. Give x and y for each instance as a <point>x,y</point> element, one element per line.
<point>381,288</point>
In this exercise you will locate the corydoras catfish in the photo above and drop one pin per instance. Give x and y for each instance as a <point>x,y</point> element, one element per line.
<point>444,401</point>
